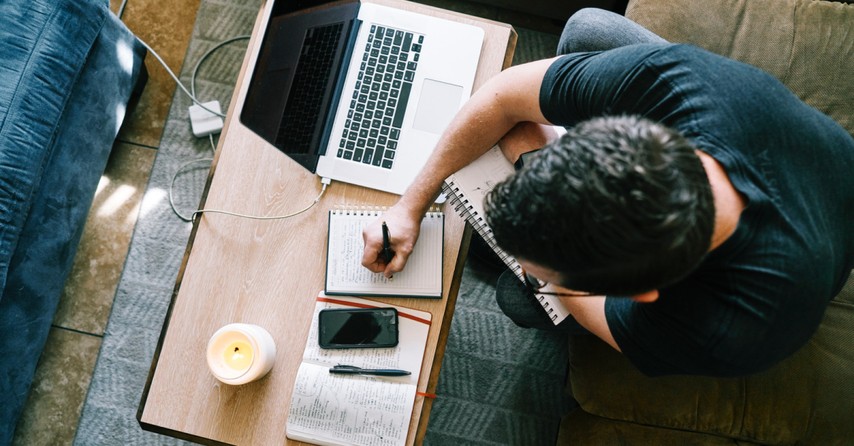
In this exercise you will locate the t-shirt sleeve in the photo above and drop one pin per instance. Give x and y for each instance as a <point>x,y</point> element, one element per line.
<point>645,340</point>
<point>581,86</point>
<point>558,100</point>
<point>684,335</point>
<point>660,339</point>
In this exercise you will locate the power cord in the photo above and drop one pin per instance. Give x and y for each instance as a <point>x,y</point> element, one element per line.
<point>192,95</point>
<point>323,181</point>
<point>199,64</point>
<point>121,9</point>
<point>178,81</point>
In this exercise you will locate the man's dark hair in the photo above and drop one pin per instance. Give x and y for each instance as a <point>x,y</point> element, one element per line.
<point>617,205</point>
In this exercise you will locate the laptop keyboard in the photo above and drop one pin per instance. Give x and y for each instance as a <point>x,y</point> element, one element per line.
<point>372,129</point>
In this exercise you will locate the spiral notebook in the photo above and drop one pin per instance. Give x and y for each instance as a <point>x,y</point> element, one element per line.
<point>345,274</point>
<point>467,191</point>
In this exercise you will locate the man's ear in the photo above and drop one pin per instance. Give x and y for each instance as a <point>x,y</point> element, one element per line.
<point>649,296</point>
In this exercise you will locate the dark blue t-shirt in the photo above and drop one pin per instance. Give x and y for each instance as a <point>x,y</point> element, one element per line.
<point>760,295</point>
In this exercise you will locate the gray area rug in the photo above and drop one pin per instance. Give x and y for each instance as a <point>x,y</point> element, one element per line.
<point>499,384</point>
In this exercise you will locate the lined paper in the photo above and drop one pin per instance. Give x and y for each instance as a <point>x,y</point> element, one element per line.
<point>330,409</point>
<point>422,276</point>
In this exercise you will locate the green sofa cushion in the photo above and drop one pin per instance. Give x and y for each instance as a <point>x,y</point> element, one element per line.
<point>809,397</point>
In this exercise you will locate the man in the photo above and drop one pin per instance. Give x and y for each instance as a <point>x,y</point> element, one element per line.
<point>703,209</point>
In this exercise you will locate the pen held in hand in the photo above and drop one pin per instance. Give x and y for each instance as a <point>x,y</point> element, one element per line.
<point>387,253</point>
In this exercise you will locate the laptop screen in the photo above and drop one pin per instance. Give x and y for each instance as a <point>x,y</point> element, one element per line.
<point>298,74</point>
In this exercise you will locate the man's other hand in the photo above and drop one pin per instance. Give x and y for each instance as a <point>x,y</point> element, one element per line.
<point>525,137</point>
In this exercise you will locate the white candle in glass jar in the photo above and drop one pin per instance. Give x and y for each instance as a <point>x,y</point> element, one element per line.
<point>240,353</point>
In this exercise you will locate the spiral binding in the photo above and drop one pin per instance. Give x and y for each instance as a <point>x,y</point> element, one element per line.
<point>463,207</point>
<point>376,211</point>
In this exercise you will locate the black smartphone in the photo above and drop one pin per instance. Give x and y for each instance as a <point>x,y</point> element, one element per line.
<point>357,328</point>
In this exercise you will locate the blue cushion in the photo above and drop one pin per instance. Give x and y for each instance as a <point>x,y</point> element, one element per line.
<point>43,47</point>
<point>69,68</point>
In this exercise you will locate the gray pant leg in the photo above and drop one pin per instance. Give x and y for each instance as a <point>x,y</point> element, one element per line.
<point>592,29</point>
<point>517,303</point>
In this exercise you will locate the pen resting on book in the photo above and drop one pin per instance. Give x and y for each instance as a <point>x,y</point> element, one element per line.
<point>353,370</point>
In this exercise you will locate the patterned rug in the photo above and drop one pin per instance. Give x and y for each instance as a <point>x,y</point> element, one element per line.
<point>499,384</point>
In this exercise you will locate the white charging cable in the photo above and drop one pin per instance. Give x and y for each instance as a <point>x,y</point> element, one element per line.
<point>323,181</point>
<point>178,81</point>
<point>192,95</point>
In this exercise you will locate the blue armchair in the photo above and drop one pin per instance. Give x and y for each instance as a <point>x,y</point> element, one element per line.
<point>68,69</point>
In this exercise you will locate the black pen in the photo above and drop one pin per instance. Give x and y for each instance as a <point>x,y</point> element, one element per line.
<point>387,253</point>
<point>353,370</point>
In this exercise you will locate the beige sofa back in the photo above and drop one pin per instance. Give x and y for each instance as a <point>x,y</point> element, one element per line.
<point>806,44</point>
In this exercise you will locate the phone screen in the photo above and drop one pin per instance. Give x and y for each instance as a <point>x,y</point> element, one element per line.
<point>358,328</point>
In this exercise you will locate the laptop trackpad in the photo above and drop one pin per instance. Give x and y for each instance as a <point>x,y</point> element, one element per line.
<point>438,104</point>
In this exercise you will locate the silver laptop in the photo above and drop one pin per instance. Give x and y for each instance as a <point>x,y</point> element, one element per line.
<point>360,92</point>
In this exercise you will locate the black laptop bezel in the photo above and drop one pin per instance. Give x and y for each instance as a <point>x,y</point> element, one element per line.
<point>273,73</point>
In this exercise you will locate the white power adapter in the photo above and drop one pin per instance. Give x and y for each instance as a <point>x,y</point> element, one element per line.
<point>205,123</point>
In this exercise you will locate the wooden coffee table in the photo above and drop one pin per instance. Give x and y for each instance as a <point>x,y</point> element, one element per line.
<point>270,272</point>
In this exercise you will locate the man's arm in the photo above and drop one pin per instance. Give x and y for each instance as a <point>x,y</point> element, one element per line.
<point>590,313</point>
<point>507,99</point>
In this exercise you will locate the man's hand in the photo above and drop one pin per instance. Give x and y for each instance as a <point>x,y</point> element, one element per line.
<point>525,137</point>
<point>403,227</point>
